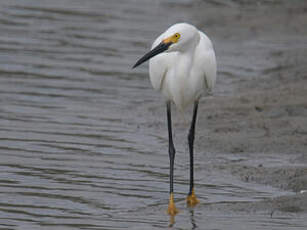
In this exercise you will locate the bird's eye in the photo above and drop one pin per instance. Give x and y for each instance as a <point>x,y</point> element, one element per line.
<point>177,35</point>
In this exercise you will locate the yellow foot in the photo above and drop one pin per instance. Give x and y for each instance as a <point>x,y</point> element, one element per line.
<point>172,210</point>
<point>192,200</point>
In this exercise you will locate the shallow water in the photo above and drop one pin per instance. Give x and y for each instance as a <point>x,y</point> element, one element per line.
<point>81,146</point>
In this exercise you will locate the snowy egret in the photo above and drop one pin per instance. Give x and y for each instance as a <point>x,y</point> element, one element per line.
<point>182,66</point>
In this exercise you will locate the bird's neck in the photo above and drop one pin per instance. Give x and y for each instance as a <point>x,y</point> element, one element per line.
<point>185,61</point>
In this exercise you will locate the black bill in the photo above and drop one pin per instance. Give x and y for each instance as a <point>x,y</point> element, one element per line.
<point>155,51</point>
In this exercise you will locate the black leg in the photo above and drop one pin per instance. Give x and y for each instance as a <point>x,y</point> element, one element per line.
<point>171,149</point>
<point>191,148</point>
<point>172,210</point>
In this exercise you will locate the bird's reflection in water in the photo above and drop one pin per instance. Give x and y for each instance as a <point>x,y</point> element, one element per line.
<point>194,226</point>
<point>193,222</point>
<point>171,221</point>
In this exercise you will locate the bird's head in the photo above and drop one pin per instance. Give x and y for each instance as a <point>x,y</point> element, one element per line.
<point>179,37</point>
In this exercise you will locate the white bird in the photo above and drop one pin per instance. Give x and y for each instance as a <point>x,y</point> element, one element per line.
<point>182,67</point>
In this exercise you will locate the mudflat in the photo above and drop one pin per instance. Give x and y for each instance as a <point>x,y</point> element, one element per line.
<point>257,120</point>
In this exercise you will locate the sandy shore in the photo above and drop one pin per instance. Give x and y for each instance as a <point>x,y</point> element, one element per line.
<point>261,125</point>
<point>263,133</point>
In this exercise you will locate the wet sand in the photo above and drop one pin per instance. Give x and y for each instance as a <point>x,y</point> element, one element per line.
<point>258,131</point>
<point>262,134</point>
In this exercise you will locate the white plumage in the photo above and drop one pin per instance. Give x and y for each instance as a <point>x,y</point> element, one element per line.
<point>186,69</point>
